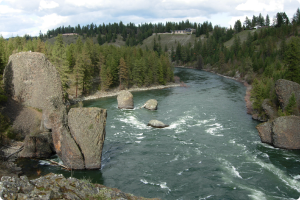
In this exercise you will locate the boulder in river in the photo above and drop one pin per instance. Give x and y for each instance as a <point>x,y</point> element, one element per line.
<point>286,132</point>
<point>264,132</point>
<point>157,124</point>
<point>87,126</point>
<point>150,104</point>
<point>125,100</point>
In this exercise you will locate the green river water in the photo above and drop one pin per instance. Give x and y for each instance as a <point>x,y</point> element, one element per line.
<point>211,150</point>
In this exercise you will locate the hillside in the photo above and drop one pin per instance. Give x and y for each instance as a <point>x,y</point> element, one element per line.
<point>169,40</point>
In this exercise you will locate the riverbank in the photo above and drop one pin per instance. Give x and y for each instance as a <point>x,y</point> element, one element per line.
<point>247,97</point>
<point>116,91</point>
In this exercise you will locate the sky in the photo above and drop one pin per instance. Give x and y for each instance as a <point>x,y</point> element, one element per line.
<point>20,17</point>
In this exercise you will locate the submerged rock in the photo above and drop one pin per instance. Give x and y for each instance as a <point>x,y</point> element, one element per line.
<point>87,126</point>
<point>150,104</point>
<point>157,124</point>
<point>125,100</point>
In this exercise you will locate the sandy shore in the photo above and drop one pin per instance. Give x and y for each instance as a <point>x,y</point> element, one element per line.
<point>115,92</point>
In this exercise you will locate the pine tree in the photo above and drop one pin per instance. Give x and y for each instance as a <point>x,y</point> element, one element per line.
<point>292,60</point>
<point>123,73</point>
<point>59,60</point>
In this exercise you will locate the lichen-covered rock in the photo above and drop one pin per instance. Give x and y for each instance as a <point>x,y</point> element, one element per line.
<point>286,132</point>
<point>265,131</point>
<point>150,104</point>
<point>38,146</point>
<point>87,126</point>
<point>56,186</point>
<point>284,90</point>
<point>157,124</point>
<point>125,100</point>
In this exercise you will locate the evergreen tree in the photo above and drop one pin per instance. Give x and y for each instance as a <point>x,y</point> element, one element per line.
<point>123,73</point>
<point>267,20</point>
<point>292,60</point>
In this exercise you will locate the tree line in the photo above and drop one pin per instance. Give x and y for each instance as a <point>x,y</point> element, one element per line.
<point>266,55</point>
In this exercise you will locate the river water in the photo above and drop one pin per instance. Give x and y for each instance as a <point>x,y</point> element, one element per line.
<point>211,150</point>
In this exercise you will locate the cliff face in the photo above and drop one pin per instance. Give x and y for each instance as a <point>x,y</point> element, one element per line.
<point>32,81</point>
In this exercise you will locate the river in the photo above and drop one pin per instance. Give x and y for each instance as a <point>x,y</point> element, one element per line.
<point>211,150</point>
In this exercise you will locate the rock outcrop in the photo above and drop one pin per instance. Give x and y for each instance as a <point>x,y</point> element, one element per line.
<point>284,90</point>
<point>157,124</point>
<point>56,186</point>
<point>286,132</point>
<point>87,126</point>
<point>283,132</point>
<point>38,146</point>
<point>125,100</point>
<point>32,81</point>
<point>150,104</point>
<point>264,132</point>
<point>269,110</point>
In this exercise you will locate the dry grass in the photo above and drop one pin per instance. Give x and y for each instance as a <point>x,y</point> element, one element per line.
<point>243,36</point>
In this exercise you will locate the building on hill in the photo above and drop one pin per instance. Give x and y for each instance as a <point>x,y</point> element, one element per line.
<point>185,31</point>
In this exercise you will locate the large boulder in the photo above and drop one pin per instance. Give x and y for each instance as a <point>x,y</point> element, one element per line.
<point>150,104</point>
<point>286,132</point>
<point>87,126</point>
<point>284,90</point>
<point>40,146</point>
<point>32,81</point>
<point>265,131</point>
<point>125,100</point>
<point>157,124</point>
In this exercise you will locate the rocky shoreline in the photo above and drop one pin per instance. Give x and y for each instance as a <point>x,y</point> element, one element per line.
<point>116,92</point>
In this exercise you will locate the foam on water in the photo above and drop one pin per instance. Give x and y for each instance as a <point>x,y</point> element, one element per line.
<point>134,122</point>
<point>162,185</point>
<point>291,182</point>
<point>215,128</point>
<point>230,168</point>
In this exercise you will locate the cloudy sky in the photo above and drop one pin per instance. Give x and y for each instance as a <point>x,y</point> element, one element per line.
<point>19,17</point>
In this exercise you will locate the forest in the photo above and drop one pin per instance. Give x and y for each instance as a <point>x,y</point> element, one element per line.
<point>258,50</point>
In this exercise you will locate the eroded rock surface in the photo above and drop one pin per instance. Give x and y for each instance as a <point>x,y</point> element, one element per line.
<point>87,126</point>
<point>157,124</point>
<point>125,100</point>
<point>150,104</point>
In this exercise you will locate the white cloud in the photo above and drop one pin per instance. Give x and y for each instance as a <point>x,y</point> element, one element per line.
<point>4,9</point>
<point>47,5</point>
<point>259,6</point>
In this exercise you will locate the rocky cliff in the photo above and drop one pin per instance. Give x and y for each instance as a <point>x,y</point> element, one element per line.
<point>33,82</point>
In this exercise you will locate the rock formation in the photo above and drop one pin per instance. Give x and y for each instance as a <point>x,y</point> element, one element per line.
<point>56,186</point>
<point>157,124</point>
<point>150,104</point>
<point>286,132</point>
<point>283,132</point>
<point>264,132</point>
<point>32,81</point>
<point>125,100</point>
<point>87,126</point>
<point>284,90</point>
<point>38,146</point>
<point>269,110</point>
